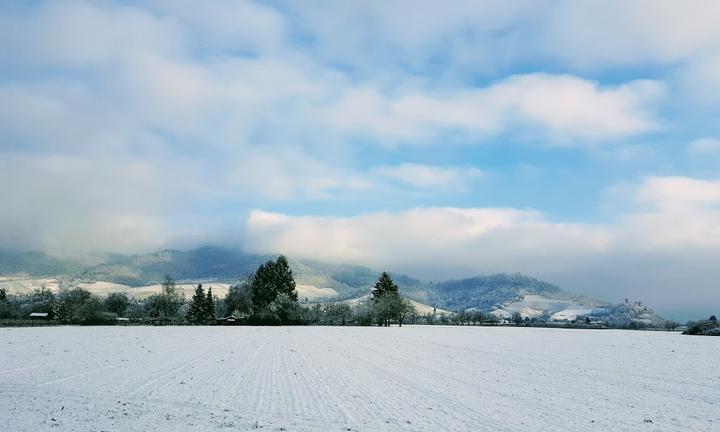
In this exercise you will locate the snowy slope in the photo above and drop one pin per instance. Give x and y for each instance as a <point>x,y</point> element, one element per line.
<point>420,308</point>
<point>25,285</point>
<point>535,305</point>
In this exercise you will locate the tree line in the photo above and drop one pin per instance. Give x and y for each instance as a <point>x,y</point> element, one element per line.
<point>269,296</point>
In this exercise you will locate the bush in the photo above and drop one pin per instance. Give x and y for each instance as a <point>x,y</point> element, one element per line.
<point>117,302</point>
<point>704,328</point>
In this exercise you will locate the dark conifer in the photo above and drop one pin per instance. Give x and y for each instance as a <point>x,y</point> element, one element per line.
<point>209,309</point>
<point>383,286</point>
<point>197,306</point>
<point>271,279</point>
<point>284,280</point>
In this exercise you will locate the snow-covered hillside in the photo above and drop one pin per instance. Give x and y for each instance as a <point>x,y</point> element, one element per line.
<point>420,308</point>
<point>536,305</point>
<point>562,308</point>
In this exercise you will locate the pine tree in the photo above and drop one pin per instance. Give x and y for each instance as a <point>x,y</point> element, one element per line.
<point>195,313</point>
<point>209,309</point>
<point>262,289</point>
<point>284,280</point>
<point>271,279</point>
<point>383,286</point>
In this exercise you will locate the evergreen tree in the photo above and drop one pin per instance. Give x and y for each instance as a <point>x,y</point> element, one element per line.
<point>271,279</point>
<point>388,305</point>
<point>383,286</point>
<point>196,311</point>
<point>5,308</point>
<point>209,309</point>
<point>284,279</point>
<point>262,287</point>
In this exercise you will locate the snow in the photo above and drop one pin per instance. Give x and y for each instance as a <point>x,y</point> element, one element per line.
<point>187,289</point>
<point>534,305</point>
<point>425,309</point>
<point>420,308</point>
<point>570,314</point>
<point>313,292</point>
<point>24,285</point>
<point>414,378</point>
<point>102,288</point>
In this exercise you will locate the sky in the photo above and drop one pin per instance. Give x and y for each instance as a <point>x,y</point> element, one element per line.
<point>573,141</point>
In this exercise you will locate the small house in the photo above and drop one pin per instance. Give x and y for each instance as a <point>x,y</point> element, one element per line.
<point>39,315</point>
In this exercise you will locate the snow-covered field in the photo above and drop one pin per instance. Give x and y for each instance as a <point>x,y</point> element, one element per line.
<point>368,379</point>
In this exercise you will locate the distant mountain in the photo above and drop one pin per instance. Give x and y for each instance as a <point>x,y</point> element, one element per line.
<point>36,264</point>
<point>501,294</point>
<point>206,263</point>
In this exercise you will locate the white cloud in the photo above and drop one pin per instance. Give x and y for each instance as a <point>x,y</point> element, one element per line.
<point>146,62</point>
<point>564,107</point>
<point>284,173</point>
<point>674,212</point>
<point>444,239</point>
<point>679,194</point>
<point>68,204</point>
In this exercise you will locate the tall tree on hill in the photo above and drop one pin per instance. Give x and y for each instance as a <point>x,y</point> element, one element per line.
<point>271,279</point>
<point>196,311</point>
<point>383,286</point>
<point>209,307</point>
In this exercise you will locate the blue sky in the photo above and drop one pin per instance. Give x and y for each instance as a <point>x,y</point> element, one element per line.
<point>574,141</point>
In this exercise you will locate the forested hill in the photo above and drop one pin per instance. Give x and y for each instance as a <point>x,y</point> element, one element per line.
<point>231,265</point>
<point>483,292</point>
